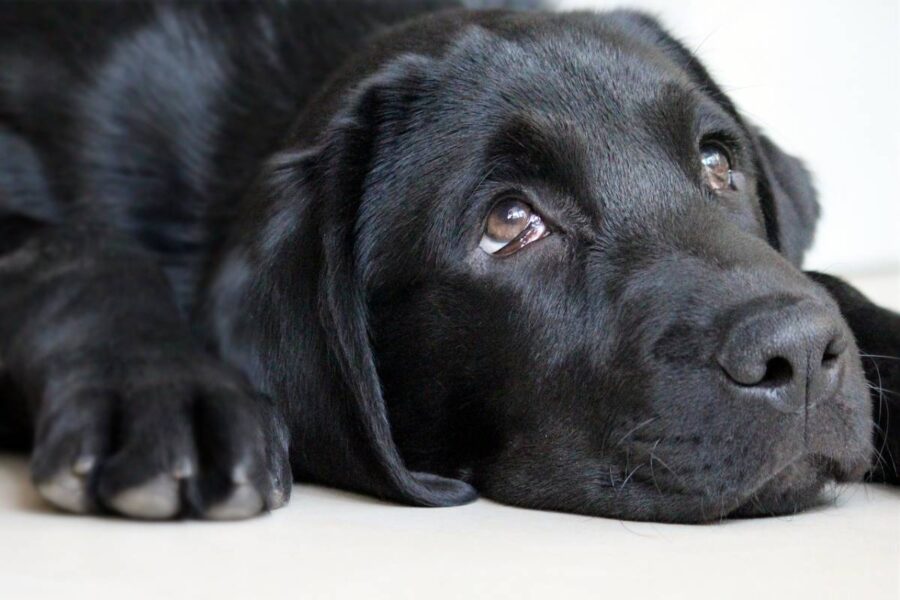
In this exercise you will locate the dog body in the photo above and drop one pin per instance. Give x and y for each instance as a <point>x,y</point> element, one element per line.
<point>410,252</point>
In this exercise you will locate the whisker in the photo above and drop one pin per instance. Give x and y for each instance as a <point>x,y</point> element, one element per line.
<point>881,390</point>
<point>879,356</point>
<point>882,407</point>
<point>757,503</point>
<point>652,473</point>
<point>633,471</point>
<point>635,428</point>
<point>677,477</point>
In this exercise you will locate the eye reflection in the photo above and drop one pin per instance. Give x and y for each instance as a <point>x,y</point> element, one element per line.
<point>511,225</point>
<point>716,166</point>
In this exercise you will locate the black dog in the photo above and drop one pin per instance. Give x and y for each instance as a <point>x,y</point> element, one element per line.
<point>415,255</point>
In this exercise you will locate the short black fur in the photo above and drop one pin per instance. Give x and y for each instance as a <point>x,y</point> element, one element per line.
<point>239,245</point>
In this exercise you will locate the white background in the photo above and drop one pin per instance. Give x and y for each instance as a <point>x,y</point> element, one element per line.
<point>822,79</point>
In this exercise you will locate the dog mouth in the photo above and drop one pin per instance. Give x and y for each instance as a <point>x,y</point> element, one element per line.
<point>798,486</point>
<point>798,482</point>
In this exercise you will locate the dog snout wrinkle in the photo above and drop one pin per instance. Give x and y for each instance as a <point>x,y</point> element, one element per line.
<point>790,358</point>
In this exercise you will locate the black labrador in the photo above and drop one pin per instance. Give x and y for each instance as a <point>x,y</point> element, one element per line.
<point>414,251</point>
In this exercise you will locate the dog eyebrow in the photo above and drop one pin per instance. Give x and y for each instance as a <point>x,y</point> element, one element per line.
<point>540,147</point>
<point>544,148</point>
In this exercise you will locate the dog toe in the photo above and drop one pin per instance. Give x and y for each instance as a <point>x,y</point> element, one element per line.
<point>244,502</point>
<point>66,490</point>
<point>66,453</point>
<point>157,499</point>
<point>279,498</point>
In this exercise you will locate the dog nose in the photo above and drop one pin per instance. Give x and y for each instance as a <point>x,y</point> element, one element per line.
<point>790,357</point>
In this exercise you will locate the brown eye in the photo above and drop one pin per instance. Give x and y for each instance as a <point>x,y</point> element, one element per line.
<point>511,225</point>
<point>716,166</point>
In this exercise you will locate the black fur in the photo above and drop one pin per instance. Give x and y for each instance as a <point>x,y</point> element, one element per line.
<point>239,242</point>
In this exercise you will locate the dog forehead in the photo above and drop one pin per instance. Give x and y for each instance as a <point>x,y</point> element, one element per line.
<point>617,98</point>
<point>601,104</point>
<point>584,69</point>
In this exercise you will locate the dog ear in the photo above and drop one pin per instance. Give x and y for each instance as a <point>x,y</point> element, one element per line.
<point>786,186</point>
<point>786,191</point>
<point>290,306</point>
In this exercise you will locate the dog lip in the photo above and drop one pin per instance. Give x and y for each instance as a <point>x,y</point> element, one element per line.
<point>844,471</point>
<point>827,469</point>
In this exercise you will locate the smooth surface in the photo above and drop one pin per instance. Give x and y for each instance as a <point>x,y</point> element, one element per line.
<point>328,544</point>
<point>823,80</point>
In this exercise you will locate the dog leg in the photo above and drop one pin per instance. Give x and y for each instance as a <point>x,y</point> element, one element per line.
<point>129,414</point>
<point>877,331</point>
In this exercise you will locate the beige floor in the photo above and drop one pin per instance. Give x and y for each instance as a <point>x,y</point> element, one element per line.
<point>328,544</point>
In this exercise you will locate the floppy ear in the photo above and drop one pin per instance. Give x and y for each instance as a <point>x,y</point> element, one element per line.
<point>291,309</point>
<point>787,187</point>
<point>786,191</point>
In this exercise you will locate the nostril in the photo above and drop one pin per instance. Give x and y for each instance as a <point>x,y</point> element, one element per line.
<point>833,352</point>
<point>779,373</point>
<point>774,373</point>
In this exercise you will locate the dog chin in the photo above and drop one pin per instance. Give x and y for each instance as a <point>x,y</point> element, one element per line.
<point>803,484</point>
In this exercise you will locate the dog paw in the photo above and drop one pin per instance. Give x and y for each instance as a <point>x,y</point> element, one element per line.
<point>187,445</point>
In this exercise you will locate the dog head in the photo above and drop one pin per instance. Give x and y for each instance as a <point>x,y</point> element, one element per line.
<point>545,257</point>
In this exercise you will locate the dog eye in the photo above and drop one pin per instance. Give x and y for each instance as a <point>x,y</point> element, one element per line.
<point>716,166</point>
<point>511,225</point>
